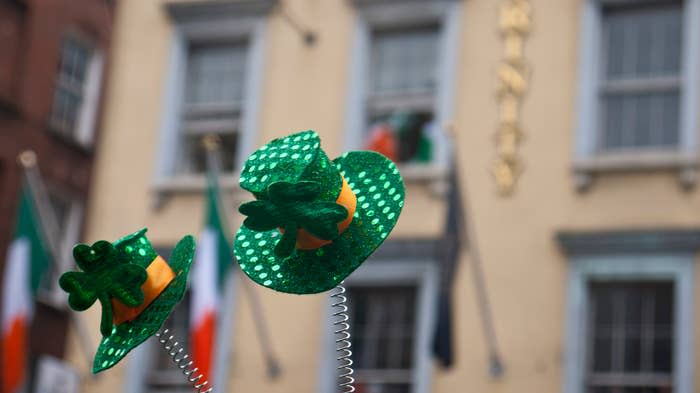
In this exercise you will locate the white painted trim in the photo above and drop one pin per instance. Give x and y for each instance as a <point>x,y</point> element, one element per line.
<point>588,79</point>
<point>253,92</point>
<point>422,273</point>
<point>383,14</point>
<point>85,134</point>
<point>588,119</point>
<point>690,76</point>
<point>357,85</point>
<point>171,107</point>
<point>678,268</point>
<point>447,75</point>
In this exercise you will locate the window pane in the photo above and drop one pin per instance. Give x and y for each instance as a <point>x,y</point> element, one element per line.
<point>404,60</point>
<point>640,120</point>
<point>663,358</point>
<point>643,40</point>
<point>216,73</point>
<point>73,61</point>
<point>629,346</point>
<point>382,327</point>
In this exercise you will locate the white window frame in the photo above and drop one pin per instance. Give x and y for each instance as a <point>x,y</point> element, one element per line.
<point>216,22</point>
<point>424,275</point>
<point>86,124</point>
<point>587,158</point>
<point>678,268</point>
<point>390,13</point>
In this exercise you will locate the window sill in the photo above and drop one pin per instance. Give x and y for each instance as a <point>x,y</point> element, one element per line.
<point>639,161</point>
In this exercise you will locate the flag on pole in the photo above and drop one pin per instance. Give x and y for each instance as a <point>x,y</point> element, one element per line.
<point>212,259</point>
<point>27,259</point>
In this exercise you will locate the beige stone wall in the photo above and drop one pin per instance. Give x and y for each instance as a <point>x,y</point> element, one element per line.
<point>306,88</point>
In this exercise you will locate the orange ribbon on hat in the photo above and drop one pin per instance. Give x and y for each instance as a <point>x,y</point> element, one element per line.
<point>347,199</point>
<point>159,276</point>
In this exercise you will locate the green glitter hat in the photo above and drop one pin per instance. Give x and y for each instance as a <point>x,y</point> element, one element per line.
<point>124,276</point>
<point>315,220</point>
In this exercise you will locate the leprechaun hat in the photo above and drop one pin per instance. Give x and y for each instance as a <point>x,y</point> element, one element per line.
<point>315,220</point>
<point>137,288</point>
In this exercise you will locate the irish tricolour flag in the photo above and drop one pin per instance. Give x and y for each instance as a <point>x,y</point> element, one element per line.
<point>27,258</point>
<point>211,263</point>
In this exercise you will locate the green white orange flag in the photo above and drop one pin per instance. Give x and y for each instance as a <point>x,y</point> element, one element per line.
<point>212,260</point>
<point>27,259</point>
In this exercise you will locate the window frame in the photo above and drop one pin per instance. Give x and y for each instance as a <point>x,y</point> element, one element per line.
<point>388,14</point>
<point>209,22</point>
<point>85,127</point>
<point>588,158</point>
<point>677,268</point>
<point>423,274</point>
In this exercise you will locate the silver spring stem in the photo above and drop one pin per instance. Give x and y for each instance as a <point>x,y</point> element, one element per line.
<point>342,340</point>
<point>183,362</point>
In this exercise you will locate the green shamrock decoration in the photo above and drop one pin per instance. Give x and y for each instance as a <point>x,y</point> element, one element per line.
<point>106,274</point>
<point>291,206</point>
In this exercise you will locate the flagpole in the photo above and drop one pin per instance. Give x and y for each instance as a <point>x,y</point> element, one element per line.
<point>212,146</point>
<point>49,228</point>
<point>466,227</point>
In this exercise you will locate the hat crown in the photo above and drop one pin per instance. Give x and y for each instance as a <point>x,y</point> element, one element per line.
<point>136,248</point>
<point>294,158</point>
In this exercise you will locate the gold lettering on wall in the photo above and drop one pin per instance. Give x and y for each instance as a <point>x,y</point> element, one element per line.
<point>513,77</point>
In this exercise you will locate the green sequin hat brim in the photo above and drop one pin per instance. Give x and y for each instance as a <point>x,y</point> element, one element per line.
<point>377,184</point>
<point>129,335</point>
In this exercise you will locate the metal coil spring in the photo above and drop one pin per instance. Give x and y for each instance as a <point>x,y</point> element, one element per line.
<point>183,362</point>
<point>342,341</point>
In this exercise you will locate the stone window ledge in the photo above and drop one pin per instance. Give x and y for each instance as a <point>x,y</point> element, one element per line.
<point>636,161</point>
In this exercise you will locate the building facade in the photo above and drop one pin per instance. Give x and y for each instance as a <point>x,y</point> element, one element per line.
<point>588,264</point>
<point>52,62</point>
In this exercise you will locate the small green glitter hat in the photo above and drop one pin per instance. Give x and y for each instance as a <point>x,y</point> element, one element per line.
<point>116,272</point>
<point>314,221</point>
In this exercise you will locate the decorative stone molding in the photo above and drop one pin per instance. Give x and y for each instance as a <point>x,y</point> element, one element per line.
<point>513,83</point>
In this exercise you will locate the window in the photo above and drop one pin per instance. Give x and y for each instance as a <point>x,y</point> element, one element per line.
<point>163,375</point>
<point>640,88</point>
<point>402,93</point>
<point>213,87</point>
<point>213,104</point>
<point>383,324</point>
<point>391,306</point>
<point>631,337</point>
<point>639,80</point>
<point>629,317</point>
<point>401,82</point>
<point>76,91</point>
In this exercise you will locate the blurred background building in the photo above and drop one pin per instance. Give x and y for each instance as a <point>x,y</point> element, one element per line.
<point>53,57</point>
<point>549,149</point>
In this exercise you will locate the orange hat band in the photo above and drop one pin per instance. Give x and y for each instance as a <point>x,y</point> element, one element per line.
<point>346,198</point>
<point>159,276</point>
